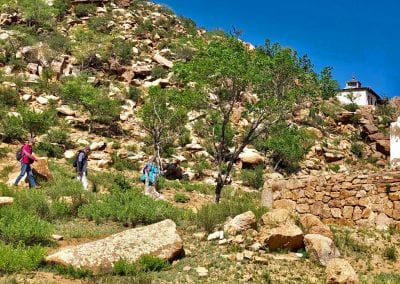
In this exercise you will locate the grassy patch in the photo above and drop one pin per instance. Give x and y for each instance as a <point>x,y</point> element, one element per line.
<point>390,253</point>
<point>181,198</point>
<point>20,258</point>
<point>146,263</point>
<point>210,215</point>
<point>386,278</point>
<point>347,244</point>
<point>131,208</point>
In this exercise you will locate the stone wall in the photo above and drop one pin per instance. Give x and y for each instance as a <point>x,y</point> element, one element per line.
<point>357,199</point>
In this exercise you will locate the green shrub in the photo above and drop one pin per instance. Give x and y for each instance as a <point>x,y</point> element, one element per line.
<point>8,96</point>
<point>211,215</point>
<point>357,149</point>
<point>20,258</point>
<point>121,164</point>
<point>58,42</point>
<point>386,278</point>
<point>121,183</point>
<point>12,127</point>
<point>334,167</point>
<point>122,50</point>
<point>200,165</point>
<point>77,88</point>
<point>73,272</point>
<point>134,93</point>
<point>390,253</point>
<point>185,137</point>
<point>17,225</point>
<point>37,13</point>
<point>48,149</point>
<point>36,123</point>
<point>59,136</point>
<point>84,10</point>
<point>288,146</point>
<point>102,108</point>
<point>253,178</point>
<point>158,72</point>
<point>125,268</point>
<point>181,198</point>
<point>100,23</point>
<point>153,263</point>
<point>130,207</point>
<point>4,151</point>
<point>352,107</point>
<point>347,244</point>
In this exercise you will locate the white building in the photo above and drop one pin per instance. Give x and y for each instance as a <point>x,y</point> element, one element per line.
<point>362,96</point>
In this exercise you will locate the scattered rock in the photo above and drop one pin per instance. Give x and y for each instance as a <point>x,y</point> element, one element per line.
<point>57,237</point>
<point>339,271</point>
<point>66,110</point>
<point>240,223</point>
<point>216,235</point>
<point>287,236</point>
<point>277,217</point>
<point>251,157</point>
<point>163,61</point>
<point>321,247</point>
<point>202,271</point>
<point>312,225</point>
<point>4,200</point>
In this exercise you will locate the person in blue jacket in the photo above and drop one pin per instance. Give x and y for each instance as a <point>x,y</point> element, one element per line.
<point>149,177</point>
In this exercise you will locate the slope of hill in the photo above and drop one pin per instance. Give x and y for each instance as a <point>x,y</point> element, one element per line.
<point>87,73</point>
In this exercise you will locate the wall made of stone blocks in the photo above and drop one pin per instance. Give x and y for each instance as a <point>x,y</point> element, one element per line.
<point>357,199</point>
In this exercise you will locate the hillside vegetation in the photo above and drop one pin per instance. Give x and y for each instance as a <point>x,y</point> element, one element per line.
<point>134,81</point>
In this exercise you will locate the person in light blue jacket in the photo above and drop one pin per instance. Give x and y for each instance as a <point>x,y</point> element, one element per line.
<point>150,170</point>
<point>149,177</point>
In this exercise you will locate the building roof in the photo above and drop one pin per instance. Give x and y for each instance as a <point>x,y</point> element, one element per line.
<point>349,90</point>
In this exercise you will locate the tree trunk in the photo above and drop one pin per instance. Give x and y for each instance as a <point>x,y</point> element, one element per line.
<point>218,188</point>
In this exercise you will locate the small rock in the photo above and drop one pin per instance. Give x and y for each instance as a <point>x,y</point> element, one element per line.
<point>239,256</point>
<point>186,268</point>
<point>261,260</point>
<point>6,200</point>
<point>216,235</point>
<point>255,247</point>
<point>248,254</point>
<point>222,242</point>
<point>42,100</point>
<point>57,237</point>
<point>26,97</point>
<point>240,223</point>
<point>202,271</point>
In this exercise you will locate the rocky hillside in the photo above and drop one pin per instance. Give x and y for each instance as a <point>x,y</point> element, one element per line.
<point>86,73</point>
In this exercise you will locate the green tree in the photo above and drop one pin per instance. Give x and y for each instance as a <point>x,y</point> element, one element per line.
<point>329,87</point>
<point>163,117</point>
<point>226,72</point>
<point>35,122</point>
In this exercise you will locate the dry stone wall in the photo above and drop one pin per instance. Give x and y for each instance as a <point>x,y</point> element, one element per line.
<point>357,199</point>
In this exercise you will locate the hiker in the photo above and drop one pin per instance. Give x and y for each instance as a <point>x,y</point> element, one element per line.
<point>149,177</point>
<point>81,166</point>
<point>27,159</point>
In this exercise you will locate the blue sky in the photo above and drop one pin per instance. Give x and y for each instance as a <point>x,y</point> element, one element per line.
<point>360,37</point>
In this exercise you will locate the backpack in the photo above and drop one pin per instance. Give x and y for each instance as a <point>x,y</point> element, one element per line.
<point>18,154</point>
<point>75,161</point>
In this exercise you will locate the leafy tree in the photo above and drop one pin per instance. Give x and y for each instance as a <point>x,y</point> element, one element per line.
<point>288,146</point>
<point>328,86</point>
<point>163,117</point>
<point>35,122</point>
<point>226,72</point>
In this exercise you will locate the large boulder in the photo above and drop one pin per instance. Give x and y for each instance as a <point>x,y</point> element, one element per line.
<point>277,217</point>
<point>287,236</point>
<point>240,223</point>
<point>160,240</point>
<point>311,224</point>
<point>321,248</point>
<point>339,271</point>
<point>41,169</point>
<point>251,157</point>
<point>383,146</point>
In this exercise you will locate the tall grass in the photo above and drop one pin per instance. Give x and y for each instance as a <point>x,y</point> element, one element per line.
<point>20,258</point>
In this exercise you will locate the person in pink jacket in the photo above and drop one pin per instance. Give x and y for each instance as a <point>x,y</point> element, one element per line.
<point>26,161</point>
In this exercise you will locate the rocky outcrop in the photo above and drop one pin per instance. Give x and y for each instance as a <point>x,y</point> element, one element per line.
<point>41,169</point>
<point>160,239</point>
<point>277,217</point>
<point>339,271</point>
<point>240,223</point>
<point>320,248</point>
